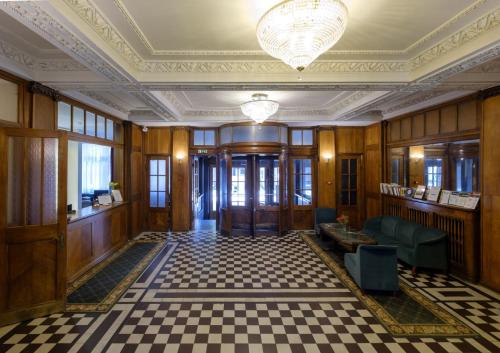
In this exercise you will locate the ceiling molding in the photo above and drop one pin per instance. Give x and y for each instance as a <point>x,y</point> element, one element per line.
<point>101,99</point>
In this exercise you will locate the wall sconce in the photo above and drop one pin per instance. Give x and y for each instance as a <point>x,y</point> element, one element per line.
<point>416,155</point>
<point>328,157</point>
<point>180,157</point>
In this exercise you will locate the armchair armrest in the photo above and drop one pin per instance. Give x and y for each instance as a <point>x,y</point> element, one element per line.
<point>432,240</point>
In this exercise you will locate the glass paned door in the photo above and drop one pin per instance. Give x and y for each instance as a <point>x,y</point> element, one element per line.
<point>158,193</point>
<point>267,194</point>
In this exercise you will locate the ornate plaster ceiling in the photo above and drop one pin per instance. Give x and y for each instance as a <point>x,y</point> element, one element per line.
<point>194,62</point>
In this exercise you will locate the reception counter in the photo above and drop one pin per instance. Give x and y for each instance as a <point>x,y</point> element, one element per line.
<point>93,235</point>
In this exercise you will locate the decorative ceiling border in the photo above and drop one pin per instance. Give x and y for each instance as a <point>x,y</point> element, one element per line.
<point>87,11</point>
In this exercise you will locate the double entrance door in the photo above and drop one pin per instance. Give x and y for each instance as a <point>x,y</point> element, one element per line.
<point>255,193</point>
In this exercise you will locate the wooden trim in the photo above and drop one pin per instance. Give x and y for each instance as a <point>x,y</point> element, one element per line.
<point>28,313</point>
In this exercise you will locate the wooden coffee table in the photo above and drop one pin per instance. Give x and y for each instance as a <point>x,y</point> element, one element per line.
<point>347,240</point>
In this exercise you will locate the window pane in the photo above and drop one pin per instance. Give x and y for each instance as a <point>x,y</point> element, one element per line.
<point>307,166</point>
<point>296,137</point>
<point>162,183</point>
<point>161,199</point>
<point>354,183</point>
<point>344,198</point>
<point>64,116</point>
<point>344,168</point>
<point>153,167</point>
<point>353,198</point>
<point>307,137</point>
<point>109,129</point>
<point>153,183</point>
<point>78,117</point>
<point>96,168</point>
<point>101,126</point>
<point>209,137</point>
<point>90,123</point>
<point>153,199</point>
<point>198,138</point>
<point>162,164</point>
<point>353,167</point>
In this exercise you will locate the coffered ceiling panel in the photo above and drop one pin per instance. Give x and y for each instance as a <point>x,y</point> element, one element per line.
<point>229,25</point>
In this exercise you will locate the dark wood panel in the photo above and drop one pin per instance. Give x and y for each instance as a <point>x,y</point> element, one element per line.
<point>157,141</point>
<point>43,113</point>
<point>92,239</point>
<point>432,122</point>
<point>349,139</point>
<point>181,215</point>
<point>490,193</point>
<point>467,116</point>
<point>418,126</point>
<point>326,168</point>
<point>302,219</point>
<point>406,128</point>
<point>448,122</point>
<point>373,170</point>
<point>395,131</point>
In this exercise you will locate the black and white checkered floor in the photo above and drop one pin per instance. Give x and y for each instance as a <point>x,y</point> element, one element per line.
<point>212,293</point>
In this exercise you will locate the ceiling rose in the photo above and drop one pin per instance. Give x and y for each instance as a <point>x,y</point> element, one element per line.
<point>298,31</point>
<point>259,108</point>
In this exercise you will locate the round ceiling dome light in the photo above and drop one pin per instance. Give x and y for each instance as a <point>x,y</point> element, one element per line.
<point>259,108</point>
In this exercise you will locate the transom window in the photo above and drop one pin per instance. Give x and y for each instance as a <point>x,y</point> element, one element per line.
<point>302,176</point>
<point>204,138</point>
<point>302,137</point>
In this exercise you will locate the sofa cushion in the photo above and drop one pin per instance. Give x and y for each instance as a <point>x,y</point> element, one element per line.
<point>407,233</point>
<point>385,240</point>
<point>389,226</point>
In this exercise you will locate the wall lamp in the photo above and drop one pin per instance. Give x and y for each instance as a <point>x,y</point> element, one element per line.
<point>180,157</point>
<point>328,157</point>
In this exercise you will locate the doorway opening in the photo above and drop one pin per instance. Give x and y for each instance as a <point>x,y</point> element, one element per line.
<point>204,192</point>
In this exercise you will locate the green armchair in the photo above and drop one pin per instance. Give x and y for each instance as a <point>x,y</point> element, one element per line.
<point>374,267</point>
<point>324,215</point>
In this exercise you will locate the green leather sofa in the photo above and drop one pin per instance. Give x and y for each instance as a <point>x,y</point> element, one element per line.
<point>417,245</point>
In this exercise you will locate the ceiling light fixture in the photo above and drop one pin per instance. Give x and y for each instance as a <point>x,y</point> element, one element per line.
<point>259,108</point>
<point>298,31</point>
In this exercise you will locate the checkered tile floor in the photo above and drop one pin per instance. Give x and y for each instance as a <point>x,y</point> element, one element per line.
<point>242,294</point>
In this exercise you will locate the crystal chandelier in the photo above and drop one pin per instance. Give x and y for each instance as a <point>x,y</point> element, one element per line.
<point>298,31</point>
<point>259,108</point>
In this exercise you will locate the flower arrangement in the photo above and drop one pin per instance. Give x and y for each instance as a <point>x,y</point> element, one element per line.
<point>114,185</point>
<point>343,219</point>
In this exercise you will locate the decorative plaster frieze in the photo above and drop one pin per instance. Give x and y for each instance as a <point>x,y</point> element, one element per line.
<point>12,53</point>
<point>101,99</point>
<point>471,32</point>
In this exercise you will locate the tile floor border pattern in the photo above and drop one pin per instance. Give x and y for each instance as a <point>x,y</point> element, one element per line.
<point>267,325</point>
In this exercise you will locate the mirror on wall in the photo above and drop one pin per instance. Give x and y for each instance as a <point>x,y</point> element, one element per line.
<point>452,166</point>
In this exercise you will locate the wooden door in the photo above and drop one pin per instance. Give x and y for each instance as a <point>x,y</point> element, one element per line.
<point>350,203</point>
<point>242,194</point>
<point>32,223</point>
<point>158,193</point>
<point>266,194</point>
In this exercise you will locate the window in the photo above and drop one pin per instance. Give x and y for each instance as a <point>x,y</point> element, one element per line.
<point>96,167</point>
<point>204,137</point>
<point>158,183</point>
<point>238,181</point>
<point>302,137</point>
<point>349,181</point>
<point>63,116</point>
<point>78,120</point>
<point>466,174</point>
<point>433,172</point>
<point>268,182</point>
<point>90,123</point>
<point>213,188</point>
<point>109,129</point>
<point>302,175</point>
<point>101,127</point>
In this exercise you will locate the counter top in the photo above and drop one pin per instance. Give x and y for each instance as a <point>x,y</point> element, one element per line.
<point>91,211</point>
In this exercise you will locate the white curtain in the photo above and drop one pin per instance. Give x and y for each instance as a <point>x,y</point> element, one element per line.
<point>96,168</point>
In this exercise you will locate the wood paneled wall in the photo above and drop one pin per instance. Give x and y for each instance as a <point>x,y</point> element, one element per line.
<point>349,143</point>
<point>326,168</point>
<point>453,119</point>
<point>157,141</point>
<point>373,169</point>
<point>490,193</point>
<point>133,136</point>
<point>181,215</point>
